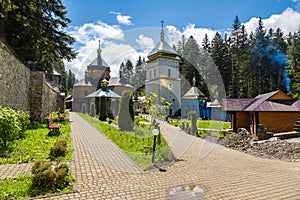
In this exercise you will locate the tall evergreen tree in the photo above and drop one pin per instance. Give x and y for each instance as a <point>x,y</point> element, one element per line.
<point>36,30</point>
<point>140,75</point>
<point>294,66</point>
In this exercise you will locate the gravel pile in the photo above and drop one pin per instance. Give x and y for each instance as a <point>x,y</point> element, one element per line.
<point>244,141</point>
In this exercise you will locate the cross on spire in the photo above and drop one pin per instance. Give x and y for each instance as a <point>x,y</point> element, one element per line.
<point>162,30</point>
<point>99,49</point>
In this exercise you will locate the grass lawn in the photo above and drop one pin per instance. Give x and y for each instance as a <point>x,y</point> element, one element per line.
<point>20,188</point>
<point>211,124</point>
<point>137,145</point>
<point>34,146</point>
<point>207,124</point>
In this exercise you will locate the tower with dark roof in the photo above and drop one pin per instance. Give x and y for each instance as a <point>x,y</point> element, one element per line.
<point>162,74</point>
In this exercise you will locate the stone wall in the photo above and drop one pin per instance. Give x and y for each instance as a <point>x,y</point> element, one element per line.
<point>24,89</point>
<point>14,80</point>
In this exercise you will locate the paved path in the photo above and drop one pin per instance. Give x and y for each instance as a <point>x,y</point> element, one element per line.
<point>218,172</point>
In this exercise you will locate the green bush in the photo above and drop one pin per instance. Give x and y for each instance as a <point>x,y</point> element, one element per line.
<point>10,126</point>
<point>24,122</point>
<point>126,113</point>
<point>59,149</point>
<point>45,178</point>
<point>103,108</point>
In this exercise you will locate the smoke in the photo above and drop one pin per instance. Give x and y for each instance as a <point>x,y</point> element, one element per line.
<point>273,52</point>
<point>287,80</point>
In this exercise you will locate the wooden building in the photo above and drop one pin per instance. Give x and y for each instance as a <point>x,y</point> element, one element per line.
<point>277,111</point>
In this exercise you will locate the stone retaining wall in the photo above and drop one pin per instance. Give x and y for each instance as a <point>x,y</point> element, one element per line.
<point>14,80</point>
<point>24,89</point>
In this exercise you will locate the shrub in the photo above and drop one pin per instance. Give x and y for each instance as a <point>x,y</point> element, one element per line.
<point>24,122</point>
<point>9,126</point>
<point>45,178</point>
<point>126,113</point>
<point>103,108</point>
<point>59,149</point>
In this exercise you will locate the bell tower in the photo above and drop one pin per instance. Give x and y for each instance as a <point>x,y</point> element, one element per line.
<point>162,73</point>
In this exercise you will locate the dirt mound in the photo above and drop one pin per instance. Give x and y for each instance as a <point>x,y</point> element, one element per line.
<point>240,141</point>
<point>244,141</point>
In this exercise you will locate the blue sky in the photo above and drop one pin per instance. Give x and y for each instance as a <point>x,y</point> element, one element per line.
<point>129,28</point>
<point>214,14</point>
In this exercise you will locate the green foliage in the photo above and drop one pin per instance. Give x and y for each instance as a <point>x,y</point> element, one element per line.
<point>21,187</point>
<point>46,179</point>
<point>12,125</point>
<point>36,31</point>
<point>15,188</point>
<point>59,149</point>
<point>24,122</point>
<point>126,113</point>
<point>35,145</point>
<point>103,108</point>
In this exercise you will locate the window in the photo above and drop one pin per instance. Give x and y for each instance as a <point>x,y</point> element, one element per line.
<point>85,93</point>
<point>154,73</point>
<point>169,72</point>
<point>150,75</point>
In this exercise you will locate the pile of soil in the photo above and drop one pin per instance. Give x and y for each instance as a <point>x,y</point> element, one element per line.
<point>245,141</point>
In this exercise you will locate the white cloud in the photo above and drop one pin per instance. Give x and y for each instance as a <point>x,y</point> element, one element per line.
<point>287,21</point>
<point>120,49</point>
<point>122,19</point>
<point>87,37</point>
<point>174,35</point>
<point>145,42</point>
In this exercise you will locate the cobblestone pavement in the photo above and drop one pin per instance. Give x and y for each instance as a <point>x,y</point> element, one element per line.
<point>208,169</point>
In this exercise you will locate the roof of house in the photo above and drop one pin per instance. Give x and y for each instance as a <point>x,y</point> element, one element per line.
<point>272,101</point>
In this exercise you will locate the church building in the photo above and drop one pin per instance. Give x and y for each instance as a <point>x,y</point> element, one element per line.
<point>162,74</point>
<point>97,71</point>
